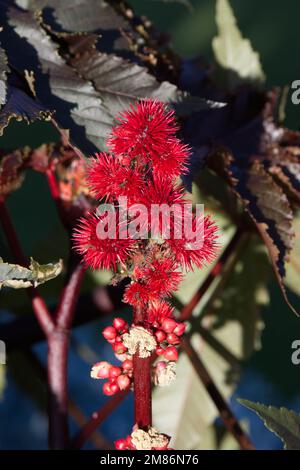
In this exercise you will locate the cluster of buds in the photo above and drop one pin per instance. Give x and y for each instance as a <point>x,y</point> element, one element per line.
<point>167,331</point>
<point>118,377</point>
<point>161,338</point>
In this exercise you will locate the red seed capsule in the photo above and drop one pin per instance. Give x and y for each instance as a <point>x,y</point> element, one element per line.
<point>123,382</point>
<point>169,325</point>
<point>120,324</point>
<point>109,333</point>
<point>171,353</point>
<point>127,365</point>
<point>159,351</point>
<point>173,339</point>
<point>160,336</point>
<point>119,347</point>
<point>121,444</point>
<point>114,371</point>
<point>107,389</point>
<point>114,388</point>
<point>180,329</point>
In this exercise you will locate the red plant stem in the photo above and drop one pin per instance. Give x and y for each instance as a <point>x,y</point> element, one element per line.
<point>69,296</point>
<point>53,184</point>
<point>96,419</point>
<point>54,191</point>
<point>230,421</point>
<point>142,381</point>
<point>38,304</point>
<point>58,346</point>
<point>188,309</point>
<point>58,343</point>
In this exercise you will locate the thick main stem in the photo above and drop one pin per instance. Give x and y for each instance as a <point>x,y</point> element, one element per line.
<point>142,380</point>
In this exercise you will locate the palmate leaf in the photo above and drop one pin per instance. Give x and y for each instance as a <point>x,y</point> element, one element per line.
<point>234,53</point>
<point>80,101</point>
<point>281,421</point>
<point>268,207</point>
<point>86,87</point>
<point>64,83</point>
<point>17,277</point>
<point>243,144</point>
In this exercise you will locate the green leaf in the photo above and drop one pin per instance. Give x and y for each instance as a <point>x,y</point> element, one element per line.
<point>234,53</point>
<point>281,421</point>
<point>17,277</point>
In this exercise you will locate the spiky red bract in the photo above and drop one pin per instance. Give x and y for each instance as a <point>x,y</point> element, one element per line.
<point>161,277</point>
<point>100,253</point>
<point>108,179</point>
<point>164,201</point>
<point>172,162</point>
<point>188,255</point>
<point>143,130</point>
<point>162,191</point>
<point>158,311</point>
<point>136,294</point>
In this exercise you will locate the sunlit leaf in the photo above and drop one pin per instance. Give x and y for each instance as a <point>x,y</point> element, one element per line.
<point>281,421</point>
<point>17,277</point>
<point>234,53</point>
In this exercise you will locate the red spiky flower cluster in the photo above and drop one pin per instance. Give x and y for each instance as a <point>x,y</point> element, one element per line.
<point>143,166</point>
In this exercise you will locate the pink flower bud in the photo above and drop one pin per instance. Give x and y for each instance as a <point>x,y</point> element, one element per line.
<point>169,325</point>
<point>171,353</point>
<point>127,365</point>
<point>180,329</point>
<point>160,336</point>
<point>107,389</point>
<point>123,382</point>
<point>159,351</point>
<point>114,371</point>
<point>109,333</point>
<point>120,324</point>
<point>121,444</point>
<point>173,339</point>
